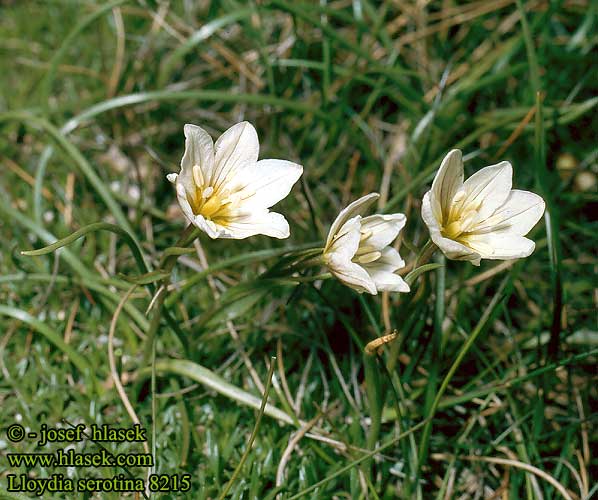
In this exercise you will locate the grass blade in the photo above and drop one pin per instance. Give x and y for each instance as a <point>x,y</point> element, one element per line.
<point>54,337</point>
<point>253,433</point>
<point>215,382</point>
<point>82,164</point>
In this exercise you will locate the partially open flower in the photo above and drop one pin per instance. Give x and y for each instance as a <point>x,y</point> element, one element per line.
<point>481,218</point>
<point>358,250</point>
<point>225,191</point>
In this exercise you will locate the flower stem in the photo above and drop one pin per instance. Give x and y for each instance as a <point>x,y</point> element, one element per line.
<point>437,342</point>
<point>373,388</point>
<point>312,261</point>
<point>445,382</point>
<point>258,420</point>
<point>167,264</point>
<point>425,254</point>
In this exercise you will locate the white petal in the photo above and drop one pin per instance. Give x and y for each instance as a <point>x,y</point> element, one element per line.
<point>209,227</point>
<point>338,258</point>
<point>199,150</point>
<point>390,261</point>
<point>428,214</point>
<point>383,270</point>
<point>236,148</point>
<point>388,282</point>
<point>501,246</point>
<point>347,239</point>
<point>452,249</point>
<point>447,182</point>
<point>488,188</point>
<point>519,214</point>
<point>355,208</point>
<point>172,178</point>
<point>259,222</point>
<point>352,275</point>
<point>382,229</point>
<point>181,195</point>
<point>266,182</point>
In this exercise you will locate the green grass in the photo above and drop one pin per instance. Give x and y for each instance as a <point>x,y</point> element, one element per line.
<point>494,368</point>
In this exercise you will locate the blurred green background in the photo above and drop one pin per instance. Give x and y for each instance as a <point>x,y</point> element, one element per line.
<point>367,96</point>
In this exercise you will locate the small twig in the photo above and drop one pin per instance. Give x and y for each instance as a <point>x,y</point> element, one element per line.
<point>283,378</point>
<point>114,372</point>
<point>513,463</point>
<point>286,455</point>
<point>120,51</point>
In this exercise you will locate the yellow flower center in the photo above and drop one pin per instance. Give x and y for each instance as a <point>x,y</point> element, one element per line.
<point>213,203</point>
<point>461,218</point>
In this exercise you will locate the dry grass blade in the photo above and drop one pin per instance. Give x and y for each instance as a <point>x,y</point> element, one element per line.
<point>512,463</point>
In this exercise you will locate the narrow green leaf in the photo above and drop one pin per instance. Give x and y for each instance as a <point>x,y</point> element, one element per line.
<point>54,337</point>
<point>67,43</point>
<point>177,251</point>
<point>215,382</point>
<point>479,328</point>
<point>256,256</point>
<point>201,35</point>
<point>147,278</point>
<point>260,414</point>
<point>355,463</point>
<point>79,160</point>
<point>417,272</point>
<point>90,228</point>
<point>191,95</point>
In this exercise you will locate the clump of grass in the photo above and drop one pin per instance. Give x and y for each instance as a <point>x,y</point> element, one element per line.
<point>488,389</point>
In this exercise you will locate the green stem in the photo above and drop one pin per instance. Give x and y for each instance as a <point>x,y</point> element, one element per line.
<point>253,434</point>
<point>392,442</point>
<point>464,350</point>
<point>425,254</point>
<point>437,342</point>
<point>318,260</point>
<point>154,405</point>
<point>259,255</point>
<point>373,389</point>
<point>167,264</point>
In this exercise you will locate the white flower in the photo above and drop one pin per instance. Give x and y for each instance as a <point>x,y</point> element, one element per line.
<point>357,250</point>
<point>481,218</point>
<point>225,191</point>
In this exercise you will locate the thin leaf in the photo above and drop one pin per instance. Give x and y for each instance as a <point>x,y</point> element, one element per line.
<point>215,382</point>
<point>54,337</point>
<point>417,272</point>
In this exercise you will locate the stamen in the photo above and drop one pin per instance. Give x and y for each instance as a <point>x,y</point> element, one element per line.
<point>459,195</point>
<point>198,176</point>
<point>367,258</point>
<point>363,249</point>
<point>365,234</point>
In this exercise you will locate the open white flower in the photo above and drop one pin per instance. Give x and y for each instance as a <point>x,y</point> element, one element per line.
<point>481,218</point>
<point>357,250</point>
<point>225,191</point>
